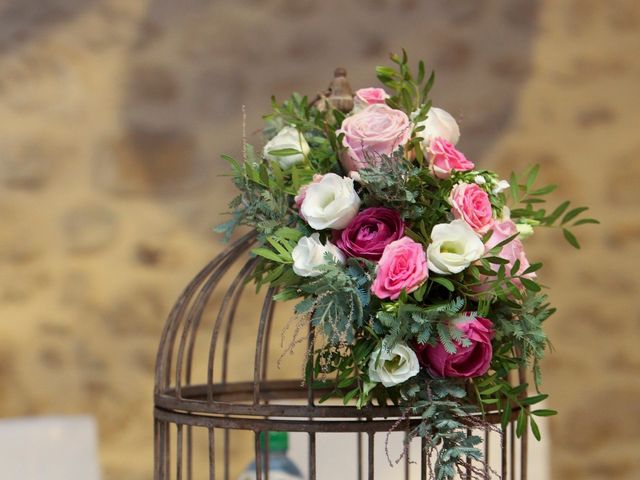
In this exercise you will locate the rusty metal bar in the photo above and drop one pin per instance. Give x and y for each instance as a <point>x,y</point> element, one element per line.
<point>266,452</point>
<point>179,453</point>
<point>503,456</point>
<point>423,459</point>
<point>167,450</point>
<point>487,439</point>
<point>227,455</point>
<point>257,369</point>
<point>189,453</point>
<point>512,450</point>
<point>212,453</point>
<point>258,456</point>
<point>360,469</point>
<point>468,469</point>
<point>312,456</point>
<point>370,453</point>
<point>407,460</point>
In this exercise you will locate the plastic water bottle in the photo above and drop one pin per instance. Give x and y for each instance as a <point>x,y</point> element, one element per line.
<point>280,466</point>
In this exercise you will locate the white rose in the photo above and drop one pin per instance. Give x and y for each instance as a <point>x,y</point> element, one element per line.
<point>310,253</point>
<point>330,203</point>
<point>479,179</point>
<point>288,137</point>
<point>439,123</point>
<point>501,186</point>
<point>392,367</point>
<point>454,246</point>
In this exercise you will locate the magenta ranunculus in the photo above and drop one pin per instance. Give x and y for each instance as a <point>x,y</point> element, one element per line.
<point>444,158</point>
<point>466,362</point>
<point>403,266</point>
<point>368,96</point>
<point>370,232</point>
<point>374,131</point>
<point>469,202</point>
<point>512,251</point>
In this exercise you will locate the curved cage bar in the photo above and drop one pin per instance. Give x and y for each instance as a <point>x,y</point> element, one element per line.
<point>207,394</point>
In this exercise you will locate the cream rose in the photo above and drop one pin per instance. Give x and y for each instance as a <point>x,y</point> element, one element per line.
<point>310,253</point>
<point>288,137</point>
<point>330,203</point>
<point>392,367</point>
<point>454,246</point>
<point>439,124</point>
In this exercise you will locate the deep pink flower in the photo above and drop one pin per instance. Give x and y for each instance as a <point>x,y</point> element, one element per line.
<point>370,232</point>
<point>471,203</point>
<point>444,157</point>
<point>467,362</point>
<point>403,266</point>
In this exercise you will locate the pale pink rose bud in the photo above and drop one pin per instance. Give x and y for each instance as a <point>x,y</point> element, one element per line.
<point>444,157</point>
<point>368,96</point>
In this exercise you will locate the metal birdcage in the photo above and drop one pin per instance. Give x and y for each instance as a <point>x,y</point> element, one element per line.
<point>200,408</point>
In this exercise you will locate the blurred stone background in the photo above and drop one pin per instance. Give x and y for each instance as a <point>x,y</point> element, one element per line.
<point>114,113</point>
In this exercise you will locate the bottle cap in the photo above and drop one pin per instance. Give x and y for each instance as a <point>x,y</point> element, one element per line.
<point>278,441</point>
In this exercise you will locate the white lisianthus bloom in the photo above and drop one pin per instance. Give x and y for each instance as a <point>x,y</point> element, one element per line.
<point>454,246</point>
<point>525,230</point>
<point>310,253</point>
<point>479,179</point>
<point>288,137</point>
<point>392,367</point>
<point>501,186</point>
<point>330,203</point>
<point>439,123</point>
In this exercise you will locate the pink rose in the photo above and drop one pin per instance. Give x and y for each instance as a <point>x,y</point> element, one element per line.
<point>512,251</point>
<point>368,96</point>
<point>466,362</point>
<point>370,232</point>
<point>444,158</point>
<point>377,130</point>
<point>302,193</point>
<point>403,266</point>
<point>471,203</point>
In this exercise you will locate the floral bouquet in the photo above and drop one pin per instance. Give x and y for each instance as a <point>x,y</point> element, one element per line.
<point>406,257</point>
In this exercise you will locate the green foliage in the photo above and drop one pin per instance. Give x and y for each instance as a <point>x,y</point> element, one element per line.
<point>405,186</point>
<point>410,92</point>
<point>532,212</point>
<point>401,321</point>
<point>319,129</point>
<point>338,300</point>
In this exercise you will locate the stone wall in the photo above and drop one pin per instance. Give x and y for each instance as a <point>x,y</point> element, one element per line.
<point>114,113</point>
